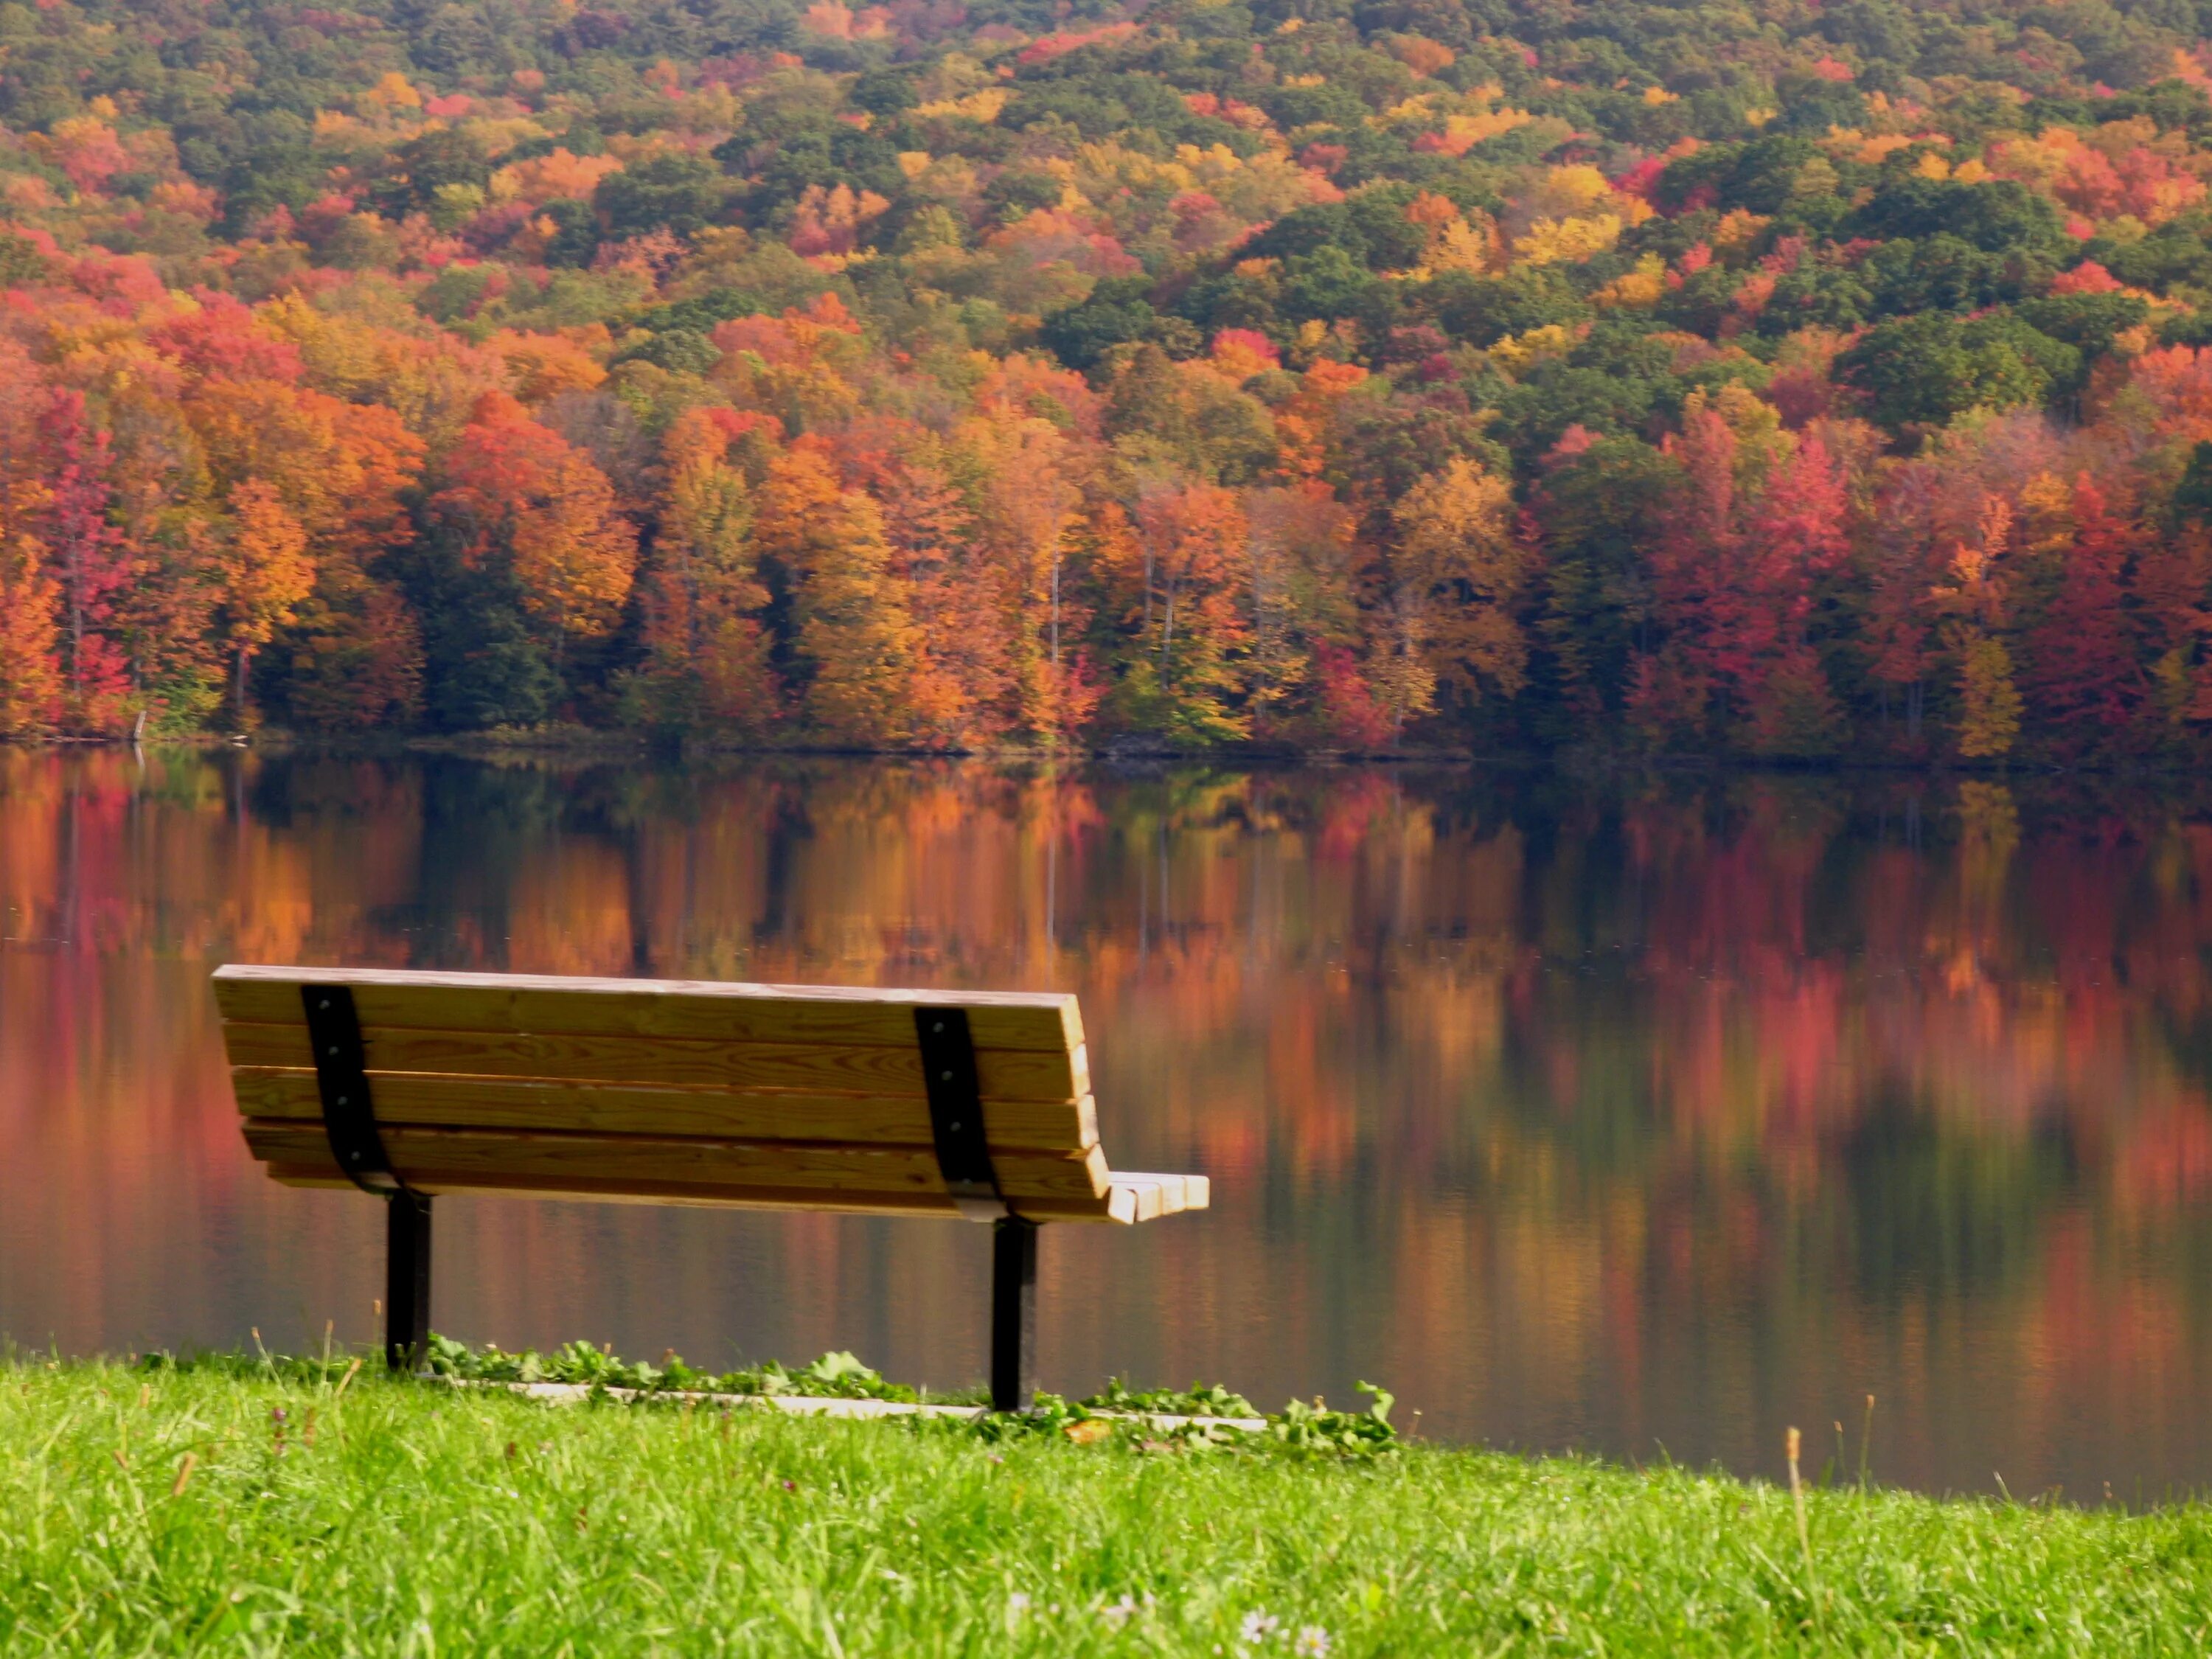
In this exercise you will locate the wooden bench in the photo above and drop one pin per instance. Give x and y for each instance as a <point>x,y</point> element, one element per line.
<point>671,1091</point>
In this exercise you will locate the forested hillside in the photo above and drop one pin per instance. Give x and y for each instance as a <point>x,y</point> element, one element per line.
<point>1779,378</point>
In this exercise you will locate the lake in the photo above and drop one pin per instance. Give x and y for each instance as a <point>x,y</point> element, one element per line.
<point>1648,1117</point>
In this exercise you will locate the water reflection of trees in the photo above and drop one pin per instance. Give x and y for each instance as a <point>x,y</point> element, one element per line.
<point>1686,1083</point>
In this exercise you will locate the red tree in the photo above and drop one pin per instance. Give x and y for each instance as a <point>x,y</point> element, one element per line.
<point>1795,538</point>
<point>2080,676</point>
<point>1734,580</point>
<point>88,559</point>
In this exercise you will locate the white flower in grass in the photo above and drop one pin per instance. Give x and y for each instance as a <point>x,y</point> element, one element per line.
<point>1017,1605</point>
<point>1259,1625</point>
<point>1312,1643</point>
<point>1121,1612</point>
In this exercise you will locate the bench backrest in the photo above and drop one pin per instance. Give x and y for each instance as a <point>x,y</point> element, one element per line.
<point>679,1091</point>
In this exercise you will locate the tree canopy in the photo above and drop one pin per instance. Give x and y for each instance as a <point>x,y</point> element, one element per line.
<point>1814,380</point>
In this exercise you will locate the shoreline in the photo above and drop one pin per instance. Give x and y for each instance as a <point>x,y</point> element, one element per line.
<point>582,746</point>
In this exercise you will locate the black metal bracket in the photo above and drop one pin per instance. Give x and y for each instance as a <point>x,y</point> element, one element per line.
<point>349,1121</point>
<point>963,1158</point>
<point>342,1075</point>
<point>956,1112</point>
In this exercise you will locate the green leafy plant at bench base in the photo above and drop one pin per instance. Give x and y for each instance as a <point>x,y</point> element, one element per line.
<point>1299,1427</point>
<point>1117,1414</point>
<point>1163,1419</point>
<point>1199,1400</point>
<point>833,1376</point>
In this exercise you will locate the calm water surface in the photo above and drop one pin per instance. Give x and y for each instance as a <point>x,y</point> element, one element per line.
<point>1638,1118</point>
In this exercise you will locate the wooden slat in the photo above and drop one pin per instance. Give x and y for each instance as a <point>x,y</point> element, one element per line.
<point>1004,1074</point>
<point>1156,1195</point>
<point>628,1161</point>
<point>434,1099</point>
<point>1146,1194</point>
<point>706,1010</point>
<point>1129,1200</point>
<point>582,1190</point>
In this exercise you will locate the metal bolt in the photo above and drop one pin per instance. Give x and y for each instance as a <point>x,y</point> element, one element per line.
<point>946,1076</point>
<point>938,1026</point>
<point>956,1126</point>
<point>341,1100</point>
<point>326,1002</point>
<point>334,1052</point>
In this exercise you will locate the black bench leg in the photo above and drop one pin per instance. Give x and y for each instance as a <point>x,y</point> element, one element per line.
<point>1013,1314</point>
<point>406,1281</point>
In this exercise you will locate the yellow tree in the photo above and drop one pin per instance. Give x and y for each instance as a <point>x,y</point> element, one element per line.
<point>1450,576</point>
<point>707,658</point>
<point>1990,702</point>
<point>30,599</point>
<point>265,573</point>
<point>1302,591</point>
<point>967,690</point>
<point>575,554</point>
<point>1027,504</point>
<point>856,630</point>
<point>339,468</point>
<point>1194,545</point>
<point>30,670</point>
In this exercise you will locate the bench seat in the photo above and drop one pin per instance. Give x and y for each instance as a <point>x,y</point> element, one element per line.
<point>709,1173</point>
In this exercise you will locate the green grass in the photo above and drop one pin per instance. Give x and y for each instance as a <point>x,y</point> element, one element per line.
<point>424,1519</point>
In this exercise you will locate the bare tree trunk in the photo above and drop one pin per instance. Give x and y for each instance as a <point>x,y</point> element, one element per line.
<point>691,600</point>
<point>1148,582</point>
<point>75,581</point>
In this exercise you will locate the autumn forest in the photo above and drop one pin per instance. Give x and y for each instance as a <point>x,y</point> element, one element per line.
<point>1777,381</point>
